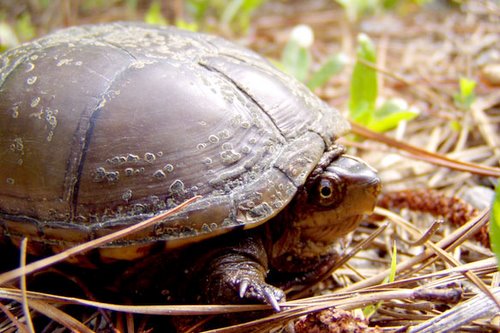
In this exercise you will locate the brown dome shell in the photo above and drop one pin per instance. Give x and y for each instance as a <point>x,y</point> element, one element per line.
<point>102,126</point>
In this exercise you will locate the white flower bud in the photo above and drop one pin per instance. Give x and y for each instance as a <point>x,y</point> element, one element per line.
<point>303,35</point>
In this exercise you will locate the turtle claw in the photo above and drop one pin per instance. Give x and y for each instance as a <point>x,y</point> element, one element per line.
<point>243,287</point>
<point>267,293</point>
<point>271,300</point>
<point>262,292</point>
<point>239,276</point>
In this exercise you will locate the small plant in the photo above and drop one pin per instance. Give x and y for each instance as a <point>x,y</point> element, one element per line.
<point>333,65</point>
<point>11,34</point>
<point>197,8</point>
<point>24,27</point>
<point>369,310</point>
<point>466,96</point>
<point>239,13</point>
<point>235,13</point>
<point>296,59</point>
<point>296,56</point>
<point>153,14</point>
<point>363,98</point>
<point>495,225</point>
<point>8,37</point>
<point>355,9</point>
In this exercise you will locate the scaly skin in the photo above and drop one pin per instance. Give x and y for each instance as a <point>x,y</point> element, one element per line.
<point>238,275</point>
<point>299,241</point>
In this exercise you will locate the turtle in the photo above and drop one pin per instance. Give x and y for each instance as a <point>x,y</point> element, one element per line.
<point>103,126</point>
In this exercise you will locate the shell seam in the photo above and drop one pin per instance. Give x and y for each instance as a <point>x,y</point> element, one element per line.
<point>213,69</point>
<point>72,189</point>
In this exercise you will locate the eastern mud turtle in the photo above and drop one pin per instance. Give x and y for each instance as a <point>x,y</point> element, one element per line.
<point>102,126</point>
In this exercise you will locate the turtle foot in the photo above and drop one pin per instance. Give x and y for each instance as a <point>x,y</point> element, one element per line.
<point>237,279</point>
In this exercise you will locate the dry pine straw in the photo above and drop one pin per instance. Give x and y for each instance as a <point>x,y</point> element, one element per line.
<point>440,269</point>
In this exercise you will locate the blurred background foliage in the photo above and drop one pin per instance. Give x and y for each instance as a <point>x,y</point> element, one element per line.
<point>23,20</point>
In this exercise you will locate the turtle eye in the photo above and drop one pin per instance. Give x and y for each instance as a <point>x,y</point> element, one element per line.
<point>329,191</point>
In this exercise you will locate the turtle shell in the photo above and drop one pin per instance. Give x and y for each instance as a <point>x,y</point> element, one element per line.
<point>103,126</point>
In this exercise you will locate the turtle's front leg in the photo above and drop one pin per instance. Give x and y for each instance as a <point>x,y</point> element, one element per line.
<point>237,275</point>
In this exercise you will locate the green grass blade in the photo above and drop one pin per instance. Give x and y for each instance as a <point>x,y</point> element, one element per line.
<point>495,225</point>
<point>390,113</point>
<point>296,57</point>
<point>154,15</point>
<point>331,67</point>
<point>364,87</point>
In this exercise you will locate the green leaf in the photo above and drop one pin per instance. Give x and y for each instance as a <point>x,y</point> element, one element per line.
<point>198,8</point>
<point>181,24</point>
<point>369,310</point>
<point>364,86</point>
<point>355,9</point>
<point>422,2</point>
<point>331,67</point>
<point>231,10</point>
<point>391,121</point>
<point>240,12</point>
<point>466,95</point>
<point>467,86</point>
<point>296,60</point>
<point>277,63</point>
<point>389,4</point>
<point>251,5</point>
<point>364,94</point>
<point>456,125</point>
<point>389,115</point>
<point>394,263</point>
<point>154,15</point>
<point>495,224</point>
<point>24,28</point>
<point>8,38</point>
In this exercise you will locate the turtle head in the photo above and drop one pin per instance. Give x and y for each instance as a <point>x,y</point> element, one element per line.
<point>332,202</point>
<point>336,198</point>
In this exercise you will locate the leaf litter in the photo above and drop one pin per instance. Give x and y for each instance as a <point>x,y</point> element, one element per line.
<point>438,172</point>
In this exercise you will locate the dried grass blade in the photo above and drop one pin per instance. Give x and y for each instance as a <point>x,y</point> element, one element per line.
<point>481,267</point>
<point>16,273</point>
<point>427,234</point>
<point>302,293</point>
<point>59,316</point>
<point>43,308</point>
<point>449,243</point>
<point>425,155</point>
<point>13,319</point>
<point>470,275</point>
<point>423,89</point>
<point>24,297</point>
<point>450,260</point>
<point>347,303</point>
<point>480,306</point>
<point>178,310</point>
<point>487,129</point>
<point>129,319</point>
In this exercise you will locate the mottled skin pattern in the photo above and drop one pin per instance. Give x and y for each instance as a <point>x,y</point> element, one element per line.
<point>105,126</point>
